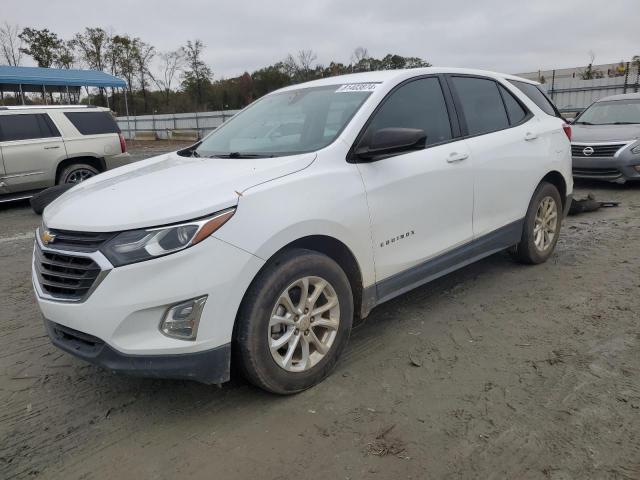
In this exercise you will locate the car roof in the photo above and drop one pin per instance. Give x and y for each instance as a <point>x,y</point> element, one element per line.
<point>53,107</point>
<point>622,96</point>
<point>395,76</point>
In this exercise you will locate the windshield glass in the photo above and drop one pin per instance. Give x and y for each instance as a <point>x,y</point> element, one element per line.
<point>614,112</point>
<point>296,121</point>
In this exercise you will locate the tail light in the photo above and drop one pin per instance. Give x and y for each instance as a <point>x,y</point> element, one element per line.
<point>567,130</point>
<point>123,143</point>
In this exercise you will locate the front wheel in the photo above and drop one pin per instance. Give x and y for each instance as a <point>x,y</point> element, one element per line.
<point>541,226</point>
<point>294,322</point>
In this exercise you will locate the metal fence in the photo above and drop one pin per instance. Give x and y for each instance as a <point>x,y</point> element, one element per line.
<point>176,125</point>
<point>571,95</point>
<point>574,94</point>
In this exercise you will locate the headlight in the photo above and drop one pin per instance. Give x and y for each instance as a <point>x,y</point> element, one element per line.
<point>636,150</point>
<point>139,245</point>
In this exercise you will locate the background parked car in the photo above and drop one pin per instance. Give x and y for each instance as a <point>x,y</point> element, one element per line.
<point>606,139</point>
<point>45,146</point>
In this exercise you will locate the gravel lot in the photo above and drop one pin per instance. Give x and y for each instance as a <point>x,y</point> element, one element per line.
<point>496,371</point>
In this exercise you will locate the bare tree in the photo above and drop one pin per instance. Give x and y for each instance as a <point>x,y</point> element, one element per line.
<point>306,58</point>
<point>10,44</point>
<point>299,68</point>
<point>359,54</point>
<point>171,63</point>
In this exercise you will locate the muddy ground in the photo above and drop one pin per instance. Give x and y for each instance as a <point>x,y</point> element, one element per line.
<point>496,371</point>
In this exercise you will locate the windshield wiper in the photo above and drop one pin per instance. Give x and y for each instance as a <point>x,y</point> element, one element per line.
<point>243,155</point>
<point>622,123</point>
<point>582,123</point>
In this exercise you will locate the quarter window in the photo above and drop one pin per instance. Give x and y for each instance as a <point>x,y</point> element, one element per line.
<point>26,127</point>
<point>418,104</point>
<point>515,111</point>
<point>93,123</point>
<point>537,96</point>
<point>482,105</point>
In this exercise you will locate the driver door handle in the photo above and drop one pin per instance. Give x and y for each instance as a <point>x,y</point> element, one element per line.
<point>455,157</point>
<point>51,148</point>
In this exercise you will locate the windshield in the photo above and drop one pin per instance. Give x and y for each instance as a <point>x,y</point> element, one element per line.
<point>614,112</point>
<point>296,121</point>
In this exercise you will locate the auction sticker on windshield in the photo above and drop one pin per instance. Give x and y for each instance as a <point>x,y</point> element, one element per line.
<point>357,87</point>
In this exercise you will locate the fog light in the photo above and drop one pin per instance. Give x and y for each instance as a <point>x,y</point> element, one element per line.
<point>637,168</point>
<point>182,319</point>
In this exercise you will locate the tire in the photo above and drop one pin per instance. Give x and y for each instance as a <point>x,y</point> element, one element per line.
<point>268,368</point>
<point>528,250</point>
<point>77,173</point>
<point>41,199</point>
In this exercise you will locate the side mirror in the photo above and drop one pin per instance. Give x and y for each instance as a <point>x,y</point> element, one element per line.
<point>388,141</point>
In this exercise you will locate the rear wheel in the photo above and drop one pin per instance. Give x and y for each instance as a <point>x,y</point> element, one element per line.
<point>541,226</point>
<point>76,173</point>
<point>294,322</point>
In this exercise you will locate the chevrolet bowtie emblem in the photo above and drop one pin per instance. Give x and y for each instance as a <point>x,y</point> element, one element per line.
<point>47,237</point>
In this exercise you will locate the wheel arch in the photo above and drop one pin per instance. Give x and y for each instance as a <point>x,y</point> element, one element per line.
<point>339,252</point>
<point>556,179</point>
<point>97,163</point>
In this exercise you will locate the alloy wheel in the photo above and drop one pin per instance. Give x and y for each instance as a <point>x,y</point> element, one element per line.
<point>545,224</point>
<point>304,324</point>
<point>79,175</point>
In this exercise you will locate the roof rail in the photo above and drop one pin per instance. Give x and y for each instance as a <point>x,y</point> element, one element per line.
<point>47,107</point>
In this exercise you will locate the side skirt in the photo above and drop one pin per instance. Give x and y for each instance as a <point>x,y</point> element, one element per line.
<point>455,259</point>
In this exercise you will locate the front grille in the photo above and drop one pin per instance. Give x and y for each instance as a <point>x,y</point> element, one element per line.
<point>597,172</point>
<point>598,150</point>
<point>79,241</point>
<point>65,277</point>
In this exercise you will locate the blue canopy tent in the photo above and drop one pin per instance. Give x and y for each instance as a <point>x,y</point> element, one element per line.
<point>36,79</point>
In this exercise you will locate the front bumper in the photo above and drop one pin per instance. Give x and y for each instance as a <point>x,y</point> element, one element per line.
<point>122,314</point>
<point>613,169</point>
<point>209,366</point>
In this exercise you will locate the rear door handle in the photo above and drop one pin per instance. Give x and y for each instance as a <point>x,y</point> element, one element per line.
<point>51,148</point>
<point>457,157</point>
<point>530,136</point>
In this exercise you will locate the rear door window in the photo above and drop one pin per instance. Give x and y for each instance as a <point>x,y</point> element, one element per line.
<point>26,127</point>
<point>537,96</point>
<point>482,105</point>
<point>93,123</point>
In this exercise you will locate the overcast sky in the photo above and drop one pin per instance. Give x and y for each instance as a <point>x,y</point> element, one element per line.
<point>503,35</point>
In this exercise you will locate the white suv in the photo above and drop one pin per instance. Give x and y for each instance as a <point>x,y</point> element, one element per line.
<point>318,202</point>
<point>45,146</point>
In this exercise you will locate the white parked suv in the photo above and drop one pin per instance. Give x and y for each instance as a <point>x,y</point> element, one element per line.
<point>45,146</point>
<point>261,243</point>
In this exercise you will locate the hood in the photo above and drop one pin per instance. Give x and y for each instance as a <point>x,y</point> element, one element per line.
<point>162,190</point>
<point>604,133</point>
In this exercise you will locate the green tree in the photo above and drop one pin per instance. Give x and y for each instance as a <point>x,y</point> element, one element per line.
<point>93,46</point>
<point>197,77</point>
<point>143,58</point>
<point>65,56</point>
<point>43,45</point>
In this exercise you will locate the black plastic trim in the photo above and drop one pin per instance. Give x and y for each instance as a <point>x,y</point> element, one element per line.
<point>459,257</point>
<point>209,366</point>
